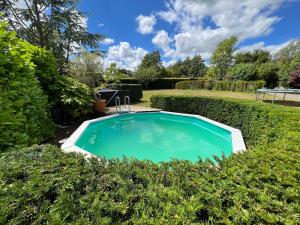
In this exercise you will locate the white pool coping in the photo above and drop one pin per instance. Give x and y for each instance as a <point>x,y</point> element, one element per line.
<point>238,144</point>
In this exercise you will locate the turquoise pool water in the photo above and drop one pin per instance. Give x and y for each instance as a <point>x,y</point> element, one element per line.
<point>155,136</point>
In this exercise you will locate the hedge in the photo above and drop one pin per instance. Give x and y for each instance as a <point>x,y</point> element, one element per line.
<point>162,83</point>
<point>135,90</point>
<point>24,118</point>
<point>221,85</point>
<point>41,184</point>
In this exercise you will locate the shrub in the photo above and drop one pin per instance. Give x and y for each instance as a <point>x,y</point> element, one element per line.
<point>41,184</point>
<point>75,98</point>
<point>135,90</point>
<point>45,69</point>
<point>23,106</point>
<point>221,85</point>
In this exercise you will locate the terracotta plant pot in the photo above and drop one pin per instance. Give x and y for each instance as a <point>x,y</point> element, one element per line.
<point>99,105</point>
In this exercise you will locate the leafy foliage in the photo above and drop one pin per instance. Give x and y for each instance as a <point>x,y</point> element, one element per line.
<point>289,52</point>
<point>243,71</point>
<point>145,75</point>
<point>222,57</point>
<point>55,24</point>
<point>257,56</point>
<point>295,79</point>
<point>286,69</point>
<point>269,73</point>
<point>221,85</point>
<point>114,74</point>
<point>190,67</point>
<point>23,116</point>
<point>45,69</point>
<point>41,185</point>
<point>75,98</point>
<point>87,68</point>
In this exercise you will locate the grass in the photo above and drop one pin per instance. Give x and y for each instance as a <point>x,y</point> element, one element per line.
<point>145,101</point>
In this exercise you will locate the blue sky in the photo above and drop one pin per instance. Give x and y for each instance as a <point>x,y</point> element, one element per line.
<point>181,28</point>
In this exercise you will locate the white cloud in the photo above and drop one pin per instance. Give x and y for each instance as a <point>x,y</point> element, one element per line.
<point>124,55</point>
<point>108,41</point>
<point>100,25</point>
<point>245,19</point>
<point>145,24</point>
<point>162,40</point>
<point>261,45</point>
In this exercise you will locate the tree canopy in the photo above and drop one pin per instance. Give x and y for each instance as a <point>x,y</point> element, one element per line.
<point>190,67</point>
<point>222,57</point>
<point>57,25</point>
<point>257,56</point>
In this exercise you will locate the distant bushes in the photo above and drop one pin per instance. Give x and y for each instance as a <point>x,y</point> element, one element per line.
<point>135,90</point>
<point>43,185</point>
<point>221,85</point>
<point>24,116</point>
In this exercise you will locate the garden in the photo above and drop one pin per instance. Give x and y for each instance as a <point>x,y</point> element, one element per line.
<point>51,80</point>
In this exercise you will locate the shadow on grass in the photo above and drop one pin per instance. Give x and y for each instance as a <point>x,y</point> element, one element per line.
<point>285,103</point>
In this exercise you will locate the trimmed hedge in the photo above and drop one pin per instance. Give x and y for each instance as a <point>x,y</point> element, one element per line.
<point>42,184</point>
<point>135,90</point>
<point>162,83</point>
<point>221,85</point>
<point>166,83</point>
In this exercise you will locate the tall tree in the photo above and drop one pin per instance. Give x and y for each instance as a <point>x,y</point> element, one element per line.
<point>190,67</point>
<point>257,56</point>
<point>151,59</point>
<point>222,57</point>
<point>54,24</point>
<point>289,52</point>
<point>150,68</point>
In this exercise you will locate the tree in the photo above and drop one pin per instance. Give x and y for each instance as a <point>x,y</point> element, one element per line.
<point>222,57</point>
<point>150,68</point>
<point>146,75</point>
<point>190,67</point>
<point>54,24</point>
<point>243,71</point>
<point>151,60</point>
<point>286,68</point>
<point>257,56</point>
<point>269,73</point>
<point>288,53</point>
<point>87,68</point>
<point>114,74</point>
<point>294,80</point>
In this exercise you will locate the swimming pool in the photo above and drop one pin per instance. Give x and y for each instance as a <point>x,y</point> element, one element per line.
<point>155,136</point>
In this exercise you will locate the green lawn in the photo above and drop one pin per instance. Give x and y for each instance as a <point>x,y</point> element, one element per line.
<point>229,94</point>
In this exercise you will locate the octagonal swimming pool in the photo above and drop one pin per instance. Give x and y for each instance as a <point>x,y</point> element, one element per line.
<point>155,136</point>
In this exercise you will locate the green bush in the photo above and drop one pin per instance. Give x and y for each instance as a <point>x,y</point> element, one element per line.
<point>75,98</point>
<point>45,69</point>
<point>23,106</point>
<point>43,185</point>
<point>135,90</point>
<point>221,85</point>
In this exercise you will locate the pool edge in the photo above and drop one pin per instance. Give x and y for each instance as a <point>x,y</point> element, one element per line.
<point>238,144</point>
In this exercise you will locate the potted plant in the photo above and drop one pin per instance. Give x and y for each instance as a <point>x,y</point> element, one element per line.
<point>98,103</point>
